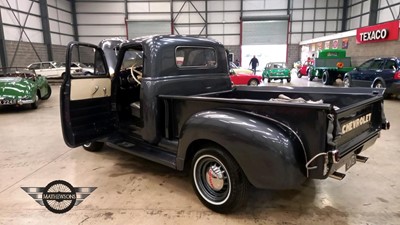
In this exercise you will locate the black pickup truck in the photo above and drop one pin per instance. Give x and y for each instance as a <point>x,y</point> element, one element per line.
<point>169,99</point>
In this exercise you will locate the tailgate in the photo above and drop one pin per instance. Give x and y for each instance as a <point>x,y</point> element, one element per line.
<point>357,124</point>
<point>357,128</point>
<point>351,130</point>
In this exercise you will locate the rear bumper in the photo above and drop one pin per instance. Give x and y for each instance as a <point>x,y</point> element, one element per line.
<point>335,159</point>
<point>278,77</point>
<point>334,166</point>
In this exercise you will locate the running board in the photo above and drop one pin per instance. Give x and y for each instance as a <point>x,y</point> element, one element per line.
<point>146,151</point>
<point>362,159</point>
<point>337,175</point>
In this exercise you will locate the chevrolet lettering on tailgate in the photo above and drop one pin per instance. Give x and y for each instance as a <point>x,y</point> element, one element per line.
<point>356,123</point>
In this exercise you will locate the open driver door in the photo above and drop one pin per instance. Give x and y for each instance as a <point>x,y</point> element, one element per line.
<point>86,106</point>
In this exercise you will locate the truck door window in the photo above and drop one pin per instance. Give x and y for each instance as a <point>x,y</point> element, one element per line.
<point>87,56</point>
<point>195,57</point>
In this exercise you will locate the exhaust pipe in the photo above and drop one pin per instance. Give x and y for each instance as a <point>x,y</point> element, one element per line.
<point>337,175</point>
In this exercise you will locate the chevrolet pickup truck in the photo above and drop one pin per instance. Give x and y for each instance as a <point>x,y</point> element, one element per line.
<point>169,99</point>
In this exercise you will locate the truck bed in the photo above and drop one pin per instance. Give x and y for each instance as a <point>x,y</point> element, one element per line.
<point>319,126</point>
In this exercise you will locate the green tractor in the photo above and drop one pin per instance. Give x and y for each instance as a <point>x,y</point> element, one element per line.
<point>330,65</point>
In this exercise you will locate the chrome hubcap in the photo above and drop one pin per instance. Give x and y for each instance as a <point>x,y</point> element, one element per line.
<point>87,145</point>
<point>346,83</point>
<point>215,177</point>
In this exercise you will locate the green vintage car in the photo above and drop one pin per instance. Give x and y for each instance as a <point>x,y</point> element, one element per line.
<point>20,86</point>
<point>276,71</point>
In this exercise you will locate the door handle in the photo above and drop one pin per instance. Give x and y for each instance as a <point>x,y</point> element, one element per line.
<point>95,90</point>
<point>105,91</point>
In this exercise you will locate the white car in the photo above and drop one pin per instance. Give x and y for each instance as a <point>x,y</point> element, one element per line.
<point>49,69</point>
<point>81,68</point>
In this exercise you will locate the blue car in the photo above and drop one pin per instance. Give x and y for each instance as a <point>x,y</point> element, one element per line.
<point>376,73</point>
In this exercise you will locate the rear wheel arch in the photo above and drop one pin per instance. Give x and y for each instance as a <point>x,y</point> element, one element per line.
<point>197,145</point>
<point>292,164</point>
<point>39,94</point>
<point>378,81</point>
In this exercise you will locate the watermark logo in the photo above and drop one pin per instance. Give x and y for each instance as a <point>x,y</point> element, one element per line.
<point>59,196</point>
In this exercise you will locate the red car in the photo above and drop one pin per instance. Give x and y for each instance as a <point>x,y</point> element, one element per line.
<point>242,78</point>
<point>303,71</point>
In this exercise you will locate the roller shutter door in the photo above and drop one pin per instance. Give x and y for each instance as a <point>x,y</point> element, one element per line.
<point>266,38</point>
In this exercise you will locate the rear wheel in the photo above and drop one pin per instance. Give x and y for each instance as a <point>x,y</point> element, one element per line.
<point>48,93</point>
<point>378,84</point>
<point>310,75</point>
<point>288,80</point>
<point>93,146</point>
<point>327,78</point>
<point>298,74</point>
<point>218,180</point>
<point>253,82</point>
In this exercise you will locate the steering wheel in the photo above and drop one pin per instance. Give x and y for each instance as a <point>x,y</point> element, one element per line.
<point>139,75</point>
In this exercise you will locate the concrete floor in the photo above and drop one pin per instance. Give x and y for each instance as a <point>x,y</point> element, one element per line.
<point>131,190</point>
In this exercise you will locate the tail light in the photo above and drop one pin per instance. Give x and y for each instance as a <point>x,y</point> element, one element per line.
<point>397,75</point>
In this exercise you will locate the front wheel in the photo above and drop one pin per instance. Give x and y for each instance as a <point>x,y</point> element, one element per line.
<point>288,80</point>
<point>346,82</point>
<point>253,82</point>
<point>93,146</point>
<point>298,74</point>
<point>34,105</point>
<point>218,180</point>
<point>47,96</point>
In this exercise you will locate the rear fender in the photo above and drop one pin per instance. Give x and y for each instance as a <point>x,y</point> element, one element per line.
<point>269,153</point>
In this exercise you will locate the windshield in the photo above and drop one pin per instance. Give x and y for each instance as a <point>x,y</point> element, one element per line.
<point>232,65</point>
<point>132,57</point>
<point>16,72</point>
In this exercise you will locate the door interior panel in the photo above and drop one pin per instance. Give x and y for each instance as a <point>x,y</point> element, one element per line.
<point>90,88</point>
<point>91,118</point>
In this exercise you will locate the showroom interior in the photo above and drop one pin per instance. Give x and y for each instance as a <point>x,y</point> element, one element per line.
<point>325,48</point>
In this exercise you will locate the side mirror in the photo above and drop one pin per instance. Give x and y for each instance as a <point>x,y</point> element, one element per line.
<point>231,72</point>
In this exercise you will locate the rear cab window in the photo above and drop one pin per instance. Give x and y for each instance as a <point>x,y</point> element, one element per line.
<point>195,57</point>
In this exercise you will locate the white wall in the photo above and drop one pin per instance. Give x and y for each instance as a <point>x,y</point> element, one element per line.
<point>12,23</point>
<point>386,14</point>
<point>60,20</point>
<point>99,20</point>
